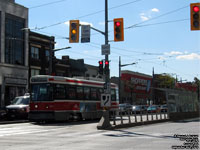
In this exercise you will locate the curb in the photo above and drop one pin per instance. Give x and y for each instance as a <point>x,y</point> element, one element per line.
<point>12,122</point>
<point>136,124</point>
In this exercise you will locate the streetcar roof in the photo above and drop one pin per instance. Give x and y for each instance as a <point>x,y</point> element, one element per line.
<point>66,80</point>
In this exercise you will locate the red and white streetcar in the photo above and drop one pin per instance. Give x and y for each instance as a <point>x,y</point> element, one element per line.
<point>63,98</point>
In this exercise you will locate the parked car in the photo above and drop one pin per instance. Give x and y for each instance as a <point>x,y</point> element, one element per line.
<point>139,109</point>
<point>125,107</point>
<point>153,109</point>
<point>136,109</point>
<point>163,108</point>
<point>19,108</point>
<point>2,113</point>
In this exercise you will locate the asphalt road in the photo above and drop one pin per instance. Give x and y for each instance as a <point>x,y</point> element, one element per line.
<point>85,136</point>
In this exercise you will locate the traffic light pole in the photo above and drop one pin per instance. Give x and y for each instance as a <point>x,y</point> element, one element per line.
<point>107,76</point>
<point>105,120</point>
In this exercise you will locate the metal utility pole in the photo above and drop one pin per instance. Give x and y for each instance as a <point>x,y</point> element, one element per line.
<point>120,65</point>
<point>105,120</point>
<point>119,84</point>
<point>51,53</point>
<point>107,76</point>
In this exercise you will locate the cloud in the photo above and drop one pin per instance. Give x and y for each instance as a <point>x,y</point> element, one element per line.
<point>191,56</point>
<point>143,17</point>
<point>155,10</point>
<point>148,15</point>
<point>82,23</point>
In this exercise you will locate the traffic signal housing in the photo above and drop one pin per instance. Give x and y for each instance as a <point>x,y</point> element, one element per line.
<point>74,31</point>
<point>118,29</point>
<point>106,69</point>
<point>195,16</point>
<point>101,67</point>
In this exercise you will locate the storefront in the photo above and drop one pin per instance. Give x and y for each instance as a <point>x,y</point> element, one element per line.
<point>13,82</point>
<point>136,88</point>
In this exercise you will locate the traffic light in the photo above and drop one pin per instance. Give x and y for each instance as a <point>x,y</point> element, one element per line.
<point>101,67</point>
<point>195,16</point>
<point>74,31</point>
<point>106,69</point>
<point>118,29</point>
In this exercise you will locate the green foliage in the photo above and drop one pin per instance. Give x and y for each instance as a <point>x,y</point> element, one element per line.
<point>164,81</point>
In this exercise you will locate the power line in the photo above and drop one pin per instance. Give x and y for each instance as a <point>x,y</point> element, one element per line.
<point>90,14</point>
<point>170,12</point>
<point>161,23</point>
<point>47,4</point>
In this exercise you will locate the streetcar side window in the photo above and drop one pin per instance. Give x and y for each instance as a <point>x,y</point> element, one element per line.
<point>86,93</point>
<point>71,92</point>
<point>59,92</point>
<point>100,91</point>
<point>93,94</point>
<point>79,91</point>
<point>113,95</point>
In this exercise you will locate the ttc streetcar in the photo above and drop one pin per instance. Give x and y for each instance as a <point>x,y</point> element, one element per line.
<point>55,98</point>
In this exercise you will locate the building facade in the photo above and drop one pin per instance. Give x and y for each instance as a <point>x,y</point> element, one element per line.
<point>13,50</point>
<point>135,88</point>
<point>40,47</point>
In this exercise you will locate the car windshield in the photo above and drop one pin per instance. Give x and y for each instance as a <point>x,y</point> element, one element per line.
<point>20,101</point>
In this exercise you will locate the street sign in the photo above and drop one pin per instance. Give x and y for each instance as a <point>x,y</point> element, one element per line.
<point>85,33</point>
<point>105,49</point>
<point>105,100</point>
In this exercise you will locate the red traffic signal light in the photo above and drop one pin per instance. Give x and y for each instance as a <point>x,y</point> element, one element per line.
<point>74,31</point>
<point>101,67</point>
<point>195,16</point>
<point>118,29</point>
<point>106,70</point>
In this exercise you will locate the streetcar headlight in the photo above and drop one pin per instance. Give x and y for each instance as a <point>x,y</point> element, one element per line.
<point>36,106</point>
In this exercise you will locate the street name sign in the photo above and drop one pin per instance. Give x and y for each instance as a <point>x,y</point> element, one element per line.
<point>105,49</point>
<point>85,33</point>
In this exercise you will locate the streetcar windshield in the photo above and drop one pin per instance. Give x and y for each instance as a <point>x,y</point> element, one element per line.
<point>41,92</point>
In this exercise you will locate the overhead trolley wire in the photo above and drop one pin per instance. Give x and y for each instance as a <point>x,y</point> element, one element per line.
<point>90,14</point>
<point>170,12</point>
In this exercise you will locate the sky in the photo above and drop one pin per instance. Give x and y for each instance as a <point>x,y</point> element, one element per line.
<point>156,33</point>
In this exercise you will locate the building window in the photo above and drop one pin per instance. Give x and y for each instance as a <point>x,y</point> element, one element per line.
<point>47,55</point>
<point>35,72</point>
<point>14,40</point>
<point>34,52</point>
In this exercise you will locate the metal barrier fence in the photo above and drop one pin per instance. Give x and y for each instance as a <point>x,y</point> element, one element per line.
<point>118,118</point>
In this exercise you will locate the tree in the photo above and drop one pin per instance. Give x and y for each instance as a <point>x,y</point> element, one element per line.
<point>164,81</point>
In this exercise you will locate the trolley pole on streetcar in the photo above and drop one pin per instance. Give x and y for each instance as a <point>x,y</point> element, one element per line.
<point>105,120</point>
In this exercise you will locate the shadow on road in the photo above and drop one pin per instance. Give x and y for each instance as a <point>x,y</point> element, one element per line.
<point>124,133</point>
<point>64,123</point>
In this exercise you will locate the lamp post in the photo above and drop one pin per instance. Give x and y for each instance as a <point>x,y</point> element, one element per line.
<point>119,84</point>
<point>51,57</point>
